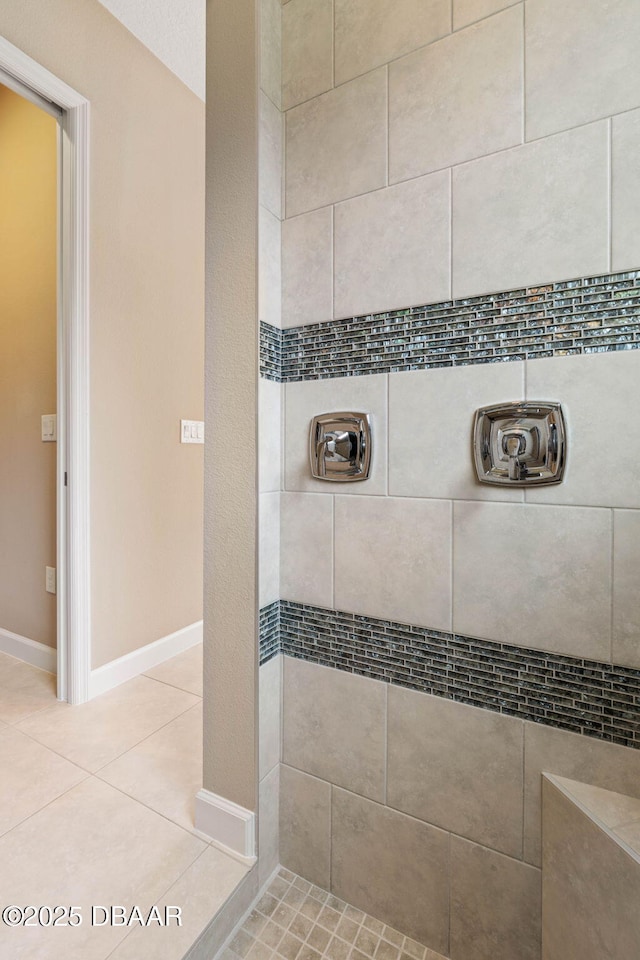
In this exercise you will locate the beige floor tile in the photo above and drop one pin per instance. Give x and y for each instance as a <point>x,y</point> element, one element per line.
<point>200,892</point>
<point>165,770</point>
<point>32,776</point>
<point>23,689</point>
<point>92,846</point>
<point>97,732</point>
<point>183,671</point>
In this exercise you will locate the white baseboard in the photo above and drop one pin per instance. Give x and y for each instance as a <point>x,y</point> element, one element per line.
<point>138,661</point>
<point>227,825</point>
<point>30,651</point>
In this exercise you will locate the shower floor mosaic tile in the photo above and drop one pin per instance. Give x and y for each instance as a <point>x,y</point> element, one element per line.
<point>295,920</point>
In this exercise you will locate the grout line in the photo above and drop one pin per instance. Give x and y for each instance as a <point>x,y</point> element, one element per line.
<point>524,73</point>
<point>386,743</point>
<point>167,683</point>
<point>524,806</point>
<point>451,573</point>
<point>611,582</point>
<point>387,131</point>
<point>333,548</point>
<point>331,789</point>
<point>451,233</point>
<point>450,892</point>
<point>388,439</point>
<point>333,44</point>
<point>610,194</point>
<point>333,260</point>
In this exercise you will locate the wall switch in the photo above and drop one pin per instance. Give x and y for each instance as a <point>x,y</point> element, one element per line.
<point>50,579</point>
<point>192,431</point>
<point>49,428</point>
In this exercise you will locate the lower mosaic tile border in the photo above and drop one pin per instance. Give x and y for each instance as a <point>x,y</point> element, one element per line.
<point>587,315</point>
<point>584,696</point>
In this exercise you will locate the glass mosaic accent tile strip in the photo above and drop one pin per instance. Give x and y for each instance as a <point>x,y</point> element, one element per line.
<point>269,632</point>
<point>595,699</point>
<point>295,920</point>
<point>588,315</point>
<point>270,352</point>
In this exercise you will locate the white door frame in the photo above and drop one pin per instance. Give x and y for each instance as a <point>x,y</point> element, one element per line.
<point>73,553</point>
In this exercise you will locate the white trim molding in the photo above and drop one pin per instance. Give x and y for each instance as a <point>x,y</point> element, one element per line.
<point>132,664</point>
<point>227,825</point>
<point>73,560</point>
<point>29,651</point>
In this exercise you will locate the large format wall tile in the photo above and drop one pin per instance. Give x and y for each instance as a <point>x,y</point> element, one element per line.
<point>270,145</point>
<point>372,32</point>
<point>457,767</point>
<point>305,400</point>
<point>269,548</point>
<point>533,575</point>
<point>457,99</point>
<point>495,905</point>
<point>337,144</point>
<point>625,187</point>
<point>626,582</point>
<point>533,214</point>
<point>305,825</point>
<point>306,548</point>
<point>270,722</point>
<point>271,49</point>
<point>392,247</point>
<point>269,270</point>
<point>468,11</point>
<point>570,755</point>
<point>393,867</point>
<point>269,435</point>
<point>596,915</point>
<point>269,823</point>
<point>582,62</point>
<point>393,559</point>
<point>597,393</point>
<point>307,50</point>
<point>430,427</point>
<point>307,268</point>
<point>334,726</point>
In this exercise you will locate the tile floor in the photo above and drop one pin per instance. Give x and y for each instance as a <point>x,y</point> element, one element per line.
<point>295,920</point>
<point>96,807</point>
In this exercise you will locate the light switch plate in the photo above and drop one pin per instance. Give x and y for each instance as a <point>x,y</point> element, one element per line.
<point>49,428</point>
<point>192,431</point>
<point>50,579</point>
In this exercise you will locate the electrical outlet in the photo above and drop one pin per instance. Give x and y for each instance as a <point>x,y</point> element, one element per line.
<point>50,579</point>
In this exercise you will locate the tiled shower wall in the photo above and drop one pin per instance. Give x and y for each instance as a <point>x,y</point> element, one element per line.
<point>440,151</point>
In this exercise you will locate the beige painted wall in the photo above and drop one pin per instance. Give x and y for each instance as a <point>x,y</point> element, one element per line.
<point>147,222</point>
<point>28,304</point>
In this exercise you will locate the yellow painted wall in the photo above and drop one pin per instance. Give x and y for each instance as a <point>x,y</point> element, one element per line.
<point>147,317</point>
<point>28,201</point>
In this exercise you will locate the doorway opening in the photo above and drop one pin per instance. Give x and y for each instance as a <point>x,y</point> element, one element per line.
<point>55,361</point>
<point>28,396</point>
